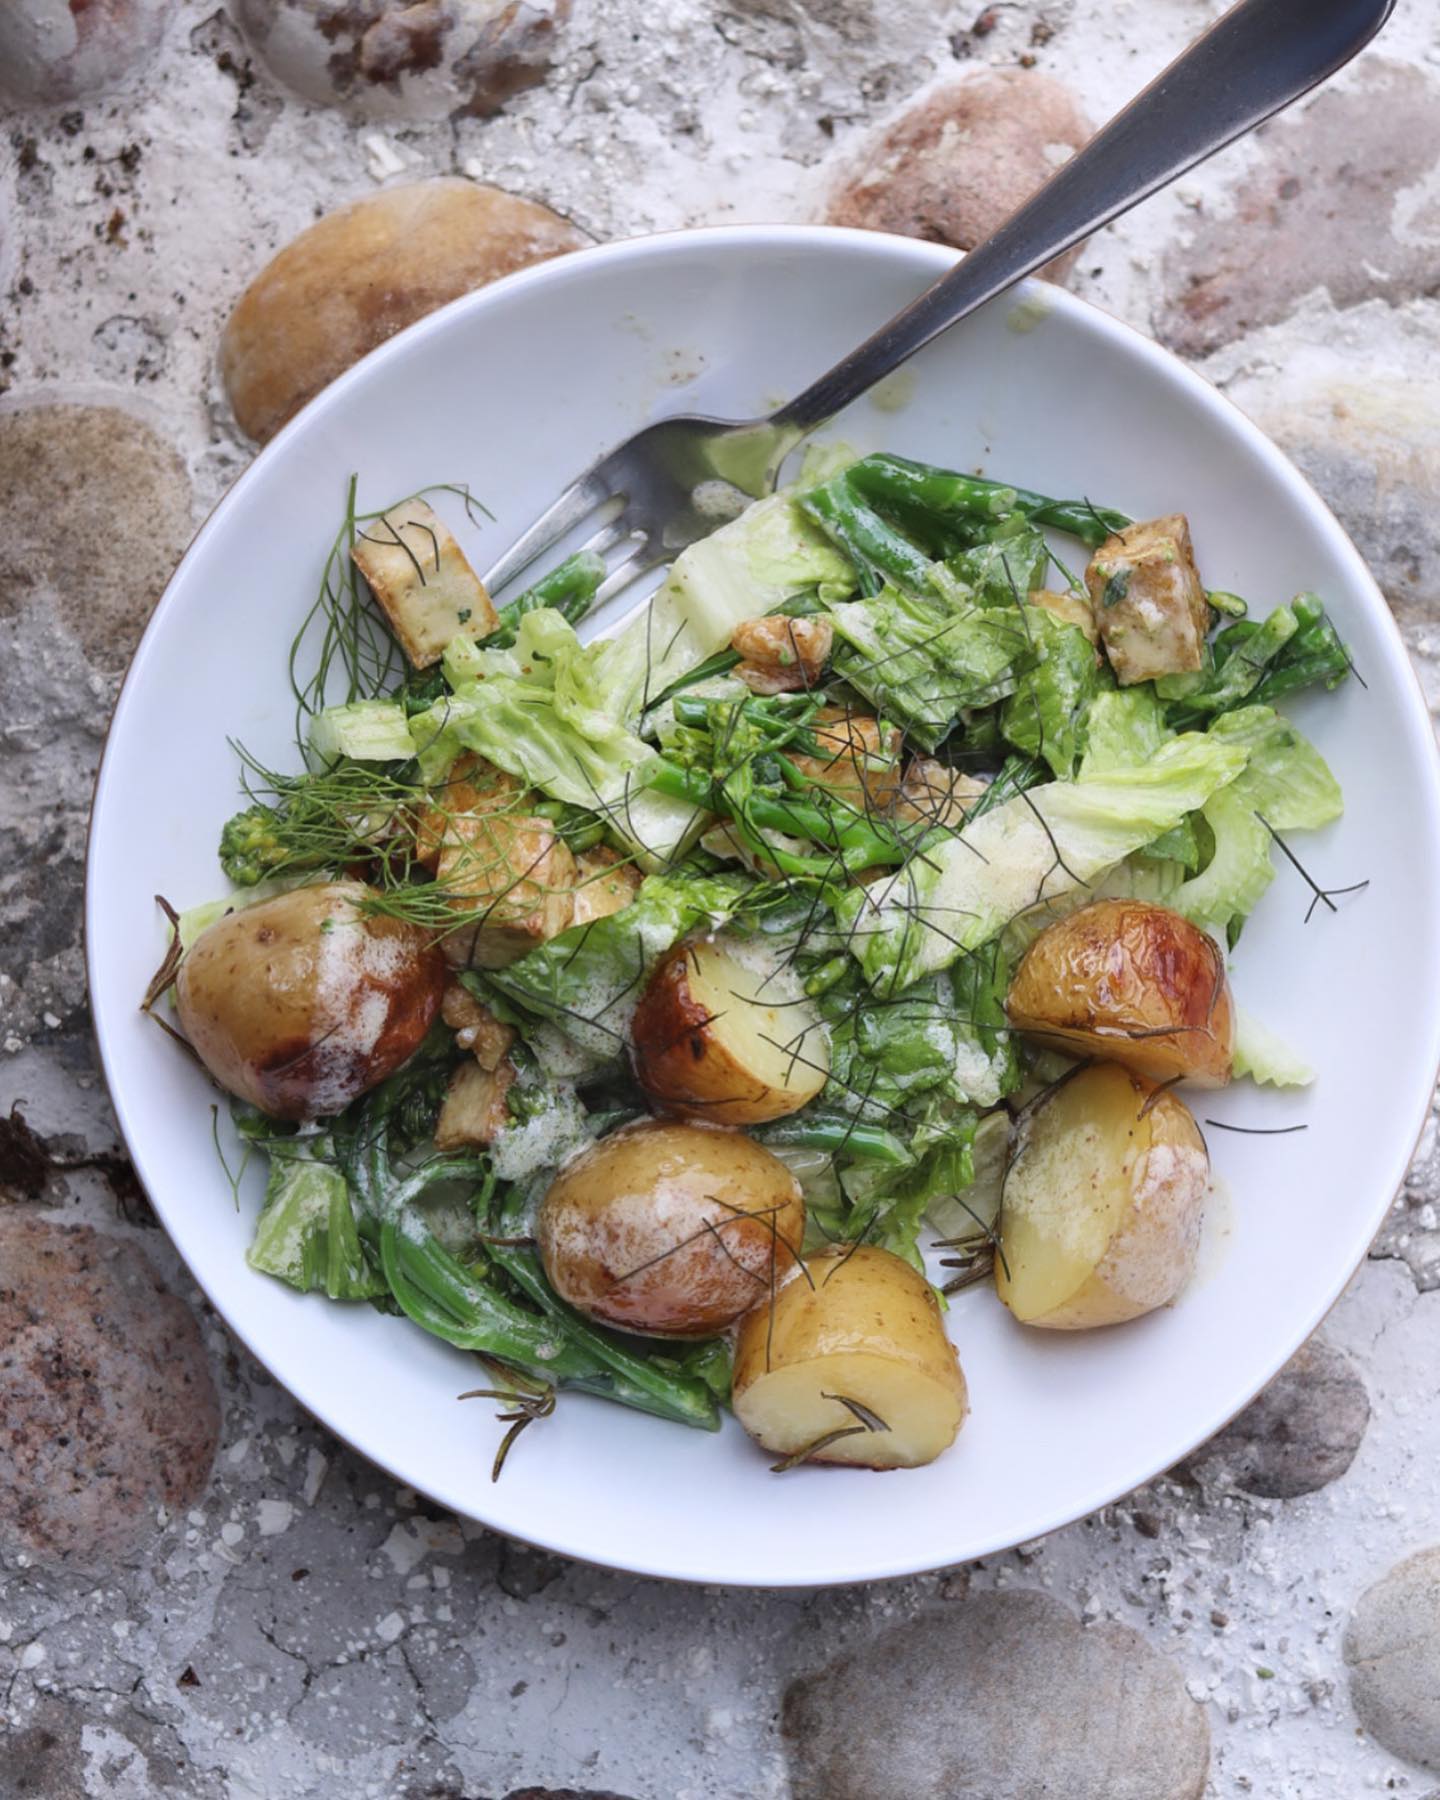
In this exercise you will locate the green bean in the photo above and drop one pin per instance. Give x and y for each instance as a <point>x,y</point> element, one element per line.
<point>649,1387</point>
<point>897,480</point>
<point>837,1132</point>
<point>873,545</point>
<point>570,588</point>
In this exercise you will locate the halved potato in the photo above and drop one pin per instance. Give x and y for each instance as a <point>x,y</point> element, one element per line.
<point>1103,1202</point>
<point>670,1229</point>
<point>865,1327</point>
<point>1131,982</point>
<point>727,1036</point>
<point>303,1002</point>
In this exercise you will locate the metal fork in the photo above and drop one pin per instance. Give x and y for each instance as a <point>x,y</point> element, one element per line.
<point>666,486</point>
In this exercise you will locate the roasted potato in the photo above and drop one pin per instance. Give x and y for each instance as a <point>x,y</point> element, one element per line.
<point>300,1003</point>
<point>721,1037</point>
<point>863,1327</point>
<point>1103,1202</point>
<point>1133,983</point>
<point>670,1229</point>
<point>516,874</point>
<point>859,760</point>
<point>1149,602</point>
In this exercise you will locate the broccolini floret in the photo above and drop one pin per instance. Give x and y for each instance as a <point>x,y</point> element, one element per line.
<point>251,846</point>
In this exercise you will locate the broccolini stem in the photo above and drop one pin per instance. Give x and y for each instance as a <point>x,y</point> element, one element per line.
<point>896,480</point>
<point>855,1138</point>
<point>570,588</point>
<point>859,844</point>
<point>873,545</point>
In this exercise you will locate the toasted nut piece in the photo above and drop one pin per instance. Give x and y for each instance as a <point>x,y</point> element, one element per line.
<point>1149,604</point>
<point>476,1028</point>
<point>932,794</point>
<point>1070,609</point>
<point>782,655</point>
<point>473,787</point>
<point>518,871</point>
<point>859,761</point>
<point>421,579</point>
<point>474,1110</point>
<point>604,883</point>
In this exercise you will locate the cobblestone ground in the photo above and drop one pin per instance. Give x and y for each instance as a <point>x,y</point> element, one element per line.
<point>202,1595</point>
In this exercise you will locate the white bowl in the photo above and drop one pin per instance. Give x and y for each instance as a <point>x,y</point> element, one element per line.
<point>514,389</point>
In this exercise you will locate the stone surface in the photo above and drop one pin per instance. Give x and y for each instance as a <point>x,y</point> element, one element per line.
<point>1300,1435</point>
<point>1392,1648</point>
<point>960,159</point>
<point>98,511</point>
<point>107,1409</point>
<point>432,59</point>
<point>1343,197</point>
<point>364,273</point>
<point>56,50</point>
<point>1004,1697</point>
<point>305,1628</point>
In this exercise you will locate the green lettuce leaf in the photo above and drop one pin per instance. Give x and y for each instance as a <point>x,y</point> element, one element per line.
<point>306,1233</point>
<point>1048,714</point>
<point>1266,1058</point>
<point>1041,844</point>
<point>920,660</point>
<point>1124,727</point>
<point>367,730</point>
<point>742,571</point>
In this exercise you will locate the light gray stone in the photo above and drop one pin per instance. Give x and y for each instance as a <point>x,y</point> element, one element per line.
<point>1392,1647</point>
<point>107,1409</point>
<point>385,59</point>
<point>52,51</point>
<point>1002,1697</point>
<point>1340,198</point>
<point>1300,1435</point>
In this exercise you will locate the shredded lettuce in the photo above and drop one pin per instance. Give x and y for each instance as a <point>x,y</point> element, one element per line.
<point>1048,714</point>
<point>1040,844</point>
<point>367,730</point>
<point>306,1234</point>
<point>921,660</point>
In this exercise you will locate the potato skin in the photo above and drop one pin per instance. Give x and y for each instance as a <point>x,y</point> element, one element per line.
<point>646,1231</point>
<point>696,1057</point>
<point>1120,1162</point>
<point>867,1325</point>
<point>301,1003</point>
<point>1133,983</point>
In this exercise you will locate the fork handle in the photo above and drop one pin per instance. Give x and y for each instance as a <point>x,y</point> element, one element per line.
<point>1254,61</point>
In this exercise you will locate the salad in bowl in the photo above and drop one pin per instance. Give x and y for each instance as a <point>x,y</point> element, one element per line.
<point>680,1016</point>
